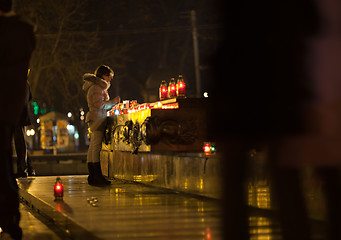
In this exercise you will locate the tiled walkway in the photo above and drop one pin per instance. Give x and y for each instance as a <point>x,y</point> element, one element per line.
<point>123,210</point>
<point>32,228</point>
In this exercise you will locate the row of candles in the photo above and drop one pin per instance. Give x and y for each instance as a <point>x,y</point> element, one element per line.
<point>119,108</point>
<point>173,90</point>
<point>131,108</point>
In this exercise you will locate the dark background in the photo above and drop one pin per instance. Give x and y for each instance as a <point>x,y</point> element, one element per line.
<point>143,41</point>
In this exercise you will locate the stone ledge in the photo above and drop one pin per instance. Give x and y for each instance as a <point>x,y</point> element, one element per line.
<point>190,173</point>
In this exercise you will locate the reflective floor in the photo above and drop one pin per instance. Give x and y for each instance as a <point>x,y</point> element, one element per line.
<point>130,211</point>
<point>33,228</point>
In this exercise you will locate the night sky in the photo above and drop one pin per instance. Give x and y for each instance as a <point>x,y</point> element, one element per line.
<point>138,39</point>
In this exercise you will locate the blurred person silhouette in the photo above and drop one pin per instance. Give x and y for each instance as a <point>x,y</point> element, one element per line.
<point>96,87</point>
<point>24,166</point>
<point>320,147</point>
<point>265,91</point>
<point>17,43</point>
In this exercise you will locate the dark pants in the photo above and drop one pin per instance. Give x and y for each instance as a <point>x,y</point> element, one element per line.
<point>9,199</point>
<point>20,148</point>
<point>24,166</point>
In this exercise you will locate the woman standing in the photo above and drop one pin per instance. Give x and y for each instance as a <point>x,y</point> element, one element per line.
<point>96,86</point>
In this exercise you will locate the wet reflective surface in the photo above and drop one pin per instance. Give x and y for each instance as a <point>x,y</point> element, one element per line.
<point>33,228</point>
<point>130,211</point>
<point>186,172</point>
<point>264,212</point>
<point>127,210</point>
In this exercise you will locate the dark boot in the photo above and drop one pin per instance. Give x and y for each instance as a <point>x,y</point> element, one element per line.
<point>91,173</point>
<point>21,174</point>
<point>30,170</point>
<point>95,177</point>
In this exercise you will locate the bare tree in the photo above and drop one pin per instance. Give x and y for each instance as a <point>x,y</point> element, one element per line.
<point>66,49</point>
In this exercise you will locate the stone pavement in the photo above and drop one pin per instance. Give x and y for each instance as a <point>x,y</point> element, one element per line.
<point>32,227</point>
<point>123,210</point>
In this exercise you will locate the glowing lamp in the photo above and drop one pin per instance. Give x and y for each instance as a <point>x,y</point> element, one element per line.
<point>133,103</point>
<point>209,148</point>
<point>58,189</point>
<point>172,88</point>
<point>117,112</point>
<point>163,91</point>
<point>180,87</point>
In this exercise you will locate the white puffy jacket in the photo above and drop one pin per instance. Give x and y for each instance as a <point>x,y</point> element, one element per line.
<point>97,97</point>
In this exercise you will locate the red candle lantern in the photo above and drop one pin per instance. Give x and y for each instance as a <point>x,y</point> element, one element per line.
<point>207,148</point>
<point>181,87</point>
<point>172,88</point>
<point>58,189</point>
<point>163,91</point>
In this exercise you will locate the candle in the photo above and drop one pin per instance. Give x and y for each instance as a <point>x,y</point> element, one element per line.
<point>58,189</point>
<point>180,87</point>
<point>163,91</point>
<point>172,88</point>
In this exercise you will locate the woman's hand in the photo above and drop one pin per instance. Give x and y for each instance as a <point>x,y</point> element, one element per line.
<point>117,99</point>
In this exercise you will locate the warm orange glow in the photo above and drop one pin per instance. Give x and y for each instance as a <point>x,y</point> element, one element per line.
<point>158,105</point>
<point>181,87</point>
<point>58,190</point>
<point>207,148</point>
<point>170,106</point>
<point>172,88</point>
<point>163,91</point>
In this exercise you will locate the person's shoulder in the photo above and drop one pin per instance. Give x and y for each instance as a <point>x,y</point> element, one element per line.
<point>97,89</point>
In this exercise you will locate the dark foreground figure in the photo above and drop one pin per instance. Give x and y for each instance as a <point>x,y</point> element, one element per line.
<point>282,83</point>
<point>16,45</point>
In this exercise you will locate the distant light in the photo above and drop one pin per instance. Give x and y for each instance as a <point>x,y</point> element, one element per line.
<point>76,135</point>
<point>209,148</point>
<point>30,132</point>
<point>82,113</point>
<point>205,94</point>
<point>117,112</point>
<point>38,120</point>
<point>70,128</point>
<point>69,114</point>
<point>82,118</point>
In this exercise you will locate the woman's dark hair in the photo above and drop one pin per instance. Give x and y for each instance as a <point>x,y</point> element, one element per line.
<point>103,70</point>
